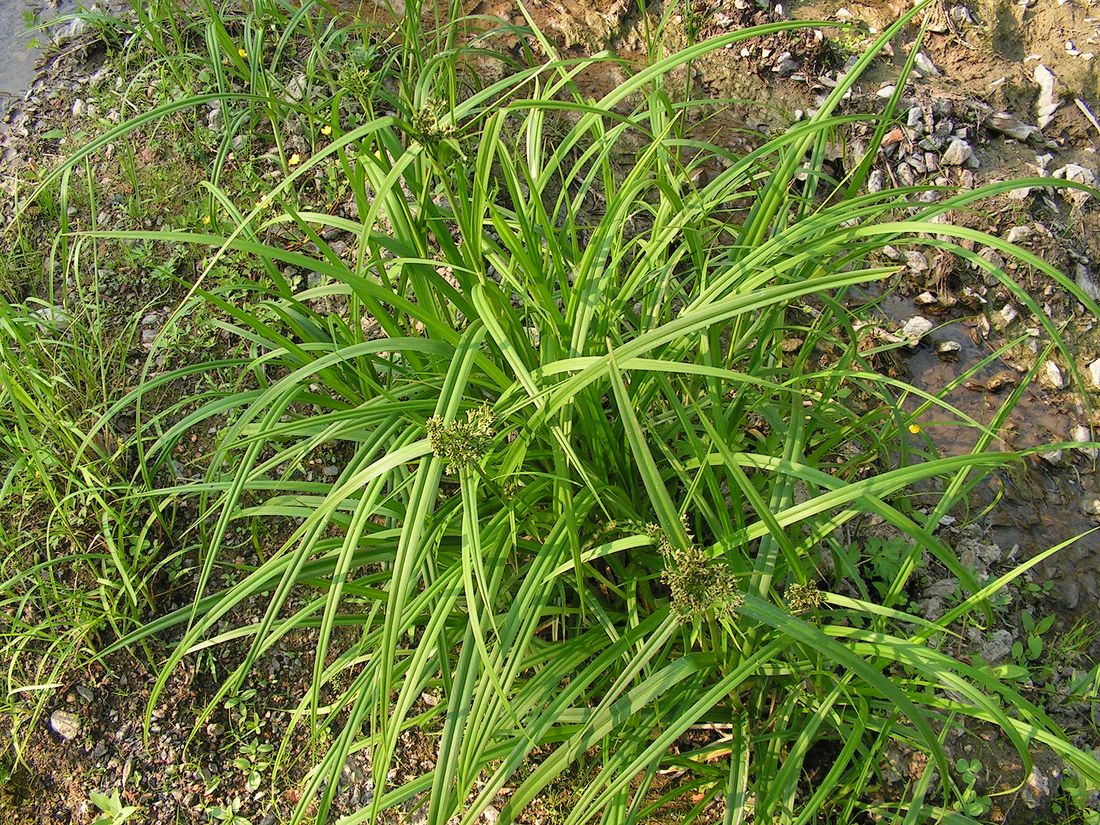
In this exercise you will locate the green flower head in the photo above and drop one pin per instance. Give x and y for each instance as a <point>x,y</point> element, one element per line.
<point>699,584</point>
<point>464,441</point>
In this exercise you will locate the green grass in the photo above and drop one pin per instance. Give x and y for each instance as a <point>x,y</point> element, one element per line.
<point>589,484</point>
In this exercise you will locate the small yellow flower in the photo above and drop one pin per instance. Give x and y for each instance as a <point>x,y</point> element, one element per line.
<point>242,53</point>
<point>206,219</point>
<point>326,130</point>
<point>914,429</point>
<point>295,159</point>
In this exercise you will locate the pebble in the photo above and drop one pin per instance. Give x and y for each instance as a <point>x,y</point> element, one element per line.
<point>1082,435</point>
<point>1051,376</point>
<point>948,348</point>
<point>875,181</point>
<point>916,328</point>
<point>1053,457</point>
<point>52,317</point>
<point>962,15</point>
<point>997,646</point>
<point>1019,233</point>
<point>1091,507</point>
<point>1077,174</point>
<point>65,724</point>
<point>958,152</point>
<point>1094,373</point>
<point>916,261</point>
<point>925,65</point>
<point>1006,316</point>
<point>1015,128</point>
<point>1048,101</point>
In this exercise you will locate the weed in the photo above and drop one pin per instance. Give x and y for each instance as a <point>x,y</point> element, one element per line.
<point>585,477</point>
<point>111,807</point>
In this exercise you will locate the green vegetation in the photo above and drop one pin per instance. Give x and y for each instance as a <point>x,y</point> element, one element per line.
<point>604,428</point>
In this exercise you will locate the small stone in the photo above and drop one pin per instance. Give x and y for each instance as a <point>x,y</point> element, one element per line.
<point>1091,507</point>
<point>947,349</point>
<point>1037,789</point>
<point>785,65</point>
<point>1006,316</point>
<point>1077,174</point>
<point>78,108</point>
<point>1094,373</point>
<point>992,256</point>
<point>52,317</point>
<point>886,91</point>
<point>916,261</point>
<point>997,646</point>
<point>296,88</point>
<point>916,328</point>
<point>1082,435</point>
<point>962,15</point>
<point>1086,283</point>
<point>875,181</point>
<point>925,299</point>
<point>1015,128</point>
<point>1048,101</point>
<point>925,65</point>
<point>1053,457</point>
<point>1051,376</point>
<point>65,724</point>
<point>1019,233</point>
<point>958,152</point>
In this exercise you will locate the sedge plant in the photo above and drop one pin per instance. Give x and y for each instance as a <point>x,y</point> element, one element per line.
<point>601,422</point>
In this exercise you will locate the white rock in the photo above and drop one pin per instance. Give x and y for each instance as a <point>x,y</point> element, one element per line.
<point>916,260</point>
<point>886,91</point>
<point>1082,435</point>
<point>996,646</point>
<point>916,328</point>
<point>78,108</point>
<point>1006,124</point>
<point>993,256</point>
<point>52,317</point>
<point>1037,789</point>
<point>924,64</point>
<point>948,347</point>
<point>958,152</point>
<point>1048,101</point>
<point>1086,283</point>
<point>1091,507</point>
<point>65,724</point>
<point>1053,457</point>
<point>1051,376</point>
<point>925,299</point>
<point>1006,316</point>
<point>296,88</point>
<point>875,181</point>
<point>1078,174</point>
<point>1019,233</point>
<point>1094,373</point>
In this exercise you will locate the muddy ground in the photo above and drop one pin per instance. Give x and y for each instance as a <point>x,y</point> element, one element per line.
<point>1006,89</point>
